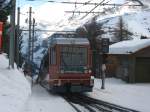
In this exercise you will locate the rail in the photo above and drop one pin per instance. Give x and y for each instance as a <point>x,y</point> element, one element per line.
<point>94,105</point>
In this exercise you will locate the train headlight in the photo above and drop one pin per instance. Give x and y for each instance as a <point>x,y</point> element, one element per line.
<point>90,71</point>
<point>62,71</point>
<point>92,77</point>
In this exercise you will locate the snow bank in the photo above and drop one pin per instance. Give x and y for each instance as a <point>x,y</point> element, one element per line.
<point>129,47</point>
<point>134,96</point>
<point>15,89</point>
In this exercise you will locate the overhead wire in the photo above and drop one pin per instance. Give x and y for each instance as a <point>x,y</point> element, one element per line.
<point>93,9</point>
<point>76,8</point>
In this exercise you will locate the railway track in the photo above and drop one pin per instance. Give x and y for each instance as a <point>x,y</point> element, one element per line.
<point>83,103</point>
<point>89,104</point>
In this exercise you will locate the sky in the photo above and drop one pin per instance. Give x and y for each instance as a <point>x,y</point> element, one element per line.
<point>35,3</point>
<point>43,10</point>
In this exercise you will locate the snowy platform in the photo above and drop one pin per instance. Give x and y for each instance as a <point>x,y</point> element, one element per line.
<point>135,96</point>
<point>15,89</point>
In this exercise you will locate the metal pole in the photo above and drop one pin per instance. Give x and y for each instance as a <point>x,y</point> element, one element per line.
<point>102,70</point>
<point>33,38</point>
<point>18,34</point>
<point>12,35</point>
<point>30,22</point>
<point>103,76</point>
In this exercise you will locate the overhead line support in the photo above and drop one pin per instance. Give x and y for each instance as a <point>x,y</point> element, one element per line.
<point>12,35</point>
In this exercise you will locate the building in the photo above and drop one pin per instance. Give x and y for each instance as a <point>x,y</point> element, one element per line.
<point>130,60</point>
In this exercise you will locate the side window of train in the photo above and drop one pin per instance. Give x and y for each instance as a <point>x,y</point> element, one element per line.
<point>52,56</point>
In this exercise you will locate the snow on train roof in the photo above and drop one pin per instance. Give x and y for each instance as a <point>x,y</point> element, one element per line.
<point>83,41</point>
<point>129,47</point>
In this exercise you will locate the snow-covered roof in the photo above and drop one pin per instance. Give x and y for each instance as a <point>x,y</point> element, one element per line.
<point>74,41</point>
<point>129,47</point>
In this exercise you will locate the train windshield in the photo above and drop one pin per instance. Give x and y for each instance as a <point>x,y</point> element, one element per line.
<point>73,58</point>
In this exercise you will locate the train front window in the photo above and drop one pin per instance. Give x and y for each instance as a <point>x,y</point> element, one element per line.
<point>73,58</point>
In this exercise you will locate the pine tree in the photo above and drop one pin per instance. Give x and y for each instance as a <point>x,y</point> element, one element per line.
<point>122,33</point>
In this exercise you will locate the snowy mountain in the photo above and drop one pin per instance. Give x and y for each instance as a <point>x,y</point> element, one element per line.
<point>137,23</point>
<point>39,47</point>
<point>123,22</point>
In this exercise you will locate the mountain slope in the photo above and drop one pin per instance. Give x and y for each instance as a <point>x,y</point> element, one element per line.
<point>137,23</point>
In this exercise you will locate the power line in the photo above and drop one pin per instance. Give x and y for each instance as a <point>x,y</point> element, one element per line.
<point>93,8</point>
<point>80,7</point>
<point>88,3</point>
<point>82,12</point>
<point>96,5</point>
<point>39,30</point>
<point>79,3</point>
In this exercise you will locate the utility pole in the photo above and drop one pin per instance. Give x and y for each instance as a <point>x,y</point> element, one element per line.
<point>30,38</point>
<point>33,30</point>
<point>29,43</point>
<point>18,34</point>
<point>104,51</point>
<point>12,35</point>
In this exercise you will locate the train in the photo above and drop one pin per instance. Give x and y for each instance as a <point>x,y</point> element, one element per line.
<point>67,65</point>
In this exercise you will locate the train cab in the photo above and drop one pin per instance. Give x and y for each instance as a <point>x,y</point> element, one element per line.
<point>69,65</point>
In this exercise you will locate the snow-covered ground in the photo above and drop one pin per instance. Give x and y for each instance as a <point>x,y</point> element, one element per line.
<point>42,101</point>
<point>14,88</point>
<point>16,96</point>
<point>135,96</point>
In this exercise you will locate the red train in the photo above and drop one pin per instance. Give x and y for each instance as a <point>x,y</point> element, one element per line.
<point>67,67</point>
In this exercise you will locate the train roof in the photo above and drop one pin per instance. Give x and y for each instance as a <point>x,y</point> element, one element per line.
<point>74,41</point>
<point>67,38</point>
